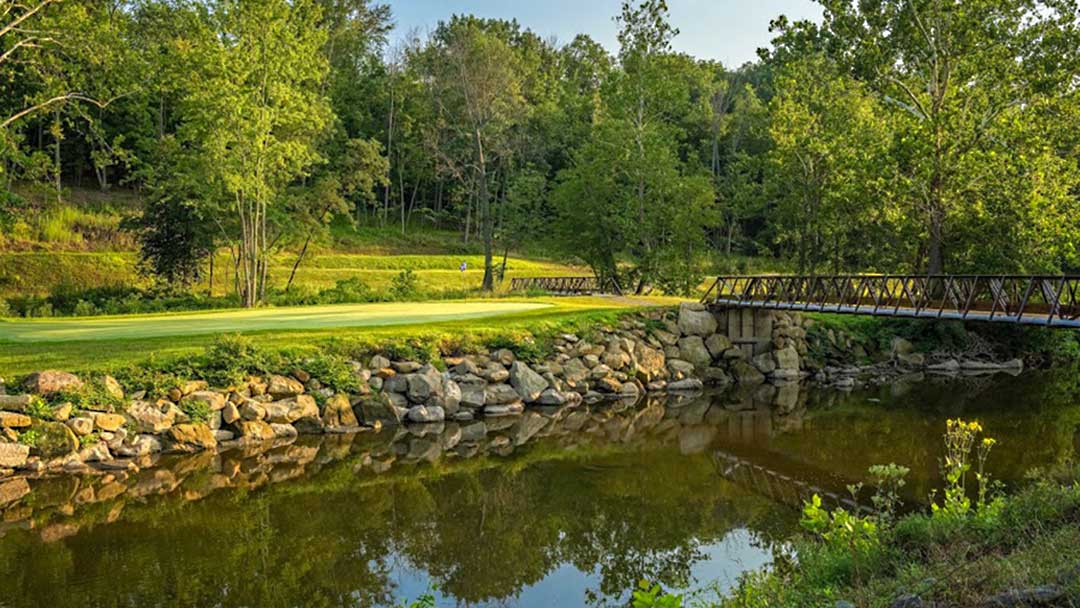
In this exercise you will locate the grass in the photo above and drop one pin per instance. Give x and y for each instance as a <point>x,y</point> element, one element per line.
<point>40,273</point>
<point>426,324</point>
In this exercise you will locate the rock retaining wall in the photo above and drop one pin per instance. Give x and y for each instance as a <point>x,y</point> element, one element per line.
<point>660,351</point>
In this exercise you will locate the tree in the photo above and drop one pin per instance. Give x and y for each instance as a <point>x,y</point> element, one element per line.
<point>959,77</point>
<point>629,197</point>
<point>478,95</point>
<point>256,118</point>
<point>828,171</point>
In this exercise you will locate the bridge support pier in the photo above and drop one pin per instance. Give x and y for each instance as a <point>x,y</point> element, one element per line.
<point>750,329</point>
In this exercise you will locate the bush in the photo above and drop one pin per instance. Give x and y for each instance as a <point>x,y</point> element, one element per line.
<point>404,285</point>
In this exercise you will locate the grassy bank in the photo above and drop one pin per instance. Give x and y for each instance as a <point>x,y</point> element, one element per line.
<point>973,547</point>
<point>305,331</point>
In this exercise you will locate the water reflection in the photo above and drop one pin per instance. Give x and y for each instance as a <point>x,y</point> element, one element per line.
<point>563,507</point>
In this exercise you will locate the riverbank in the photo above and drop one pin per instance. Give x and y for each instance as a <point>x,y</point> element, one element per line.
<point>238,391</point>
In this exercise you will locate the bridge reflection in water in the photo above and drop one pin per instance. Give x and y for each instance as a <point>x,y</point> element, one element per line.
<point>1048,300</point>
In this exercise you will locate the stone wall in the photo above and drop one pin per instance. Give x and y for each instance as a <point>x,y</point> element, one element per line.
<point>658,351</point>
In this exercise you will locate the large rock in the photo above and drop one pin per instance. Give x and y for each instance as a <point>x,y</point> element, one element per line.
<point>54,439</point>
<point>692,349</point>
<point>188,438</point>
<point>473,396</point>
<point>694,320</point>
<point>685,385</point>
<point>14,403</point>
<point>213,399</point>
<point>282,387</point>
<point>424,384</point>
<point>108,422</point>
<point>787,358</point>
<point>338,413</point>
<point>765,362</point>
<point>745,373</point>
<point>650,362</point>
<point>255,430</point>
<point>717,344</point>
<point>500,394</point>
<point>52,381</point>
<point>151,417</point>
<point>423,413</point>
<point>14,420</point>
<point>288,411</point>
<point>526,382</point>
<point>377,408</point>
<point>13,490</point>
<point>13,455</point>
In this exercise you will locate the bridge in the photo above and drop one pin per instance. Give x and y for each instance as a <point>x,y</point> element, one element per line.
<point>1047,300</point>
<point>566,285</point>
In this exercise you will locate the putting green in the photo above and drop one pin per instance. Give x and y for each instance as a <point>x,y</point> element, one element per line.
<point>263,319</point>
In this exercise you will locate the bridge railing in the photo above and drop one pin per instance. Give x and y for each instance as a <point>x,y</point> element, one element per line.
<point>566,285</point>
<point>1051,300</point>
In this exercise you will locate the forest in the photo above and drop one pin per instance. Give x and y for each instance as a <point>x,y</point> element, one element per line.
<point>892,136</point>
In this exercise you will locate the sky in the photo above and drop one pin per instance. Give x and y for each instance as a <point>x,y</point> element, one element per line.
<point>728,30</point>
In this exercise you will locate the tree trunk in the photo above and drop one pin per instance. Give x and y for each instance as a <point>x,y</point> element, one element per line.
<point>299,258</point>
<point>486,217</point>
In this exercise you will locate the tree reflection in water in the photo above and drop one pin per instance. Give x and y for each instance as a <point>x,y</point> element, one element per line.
<point>574,505</point>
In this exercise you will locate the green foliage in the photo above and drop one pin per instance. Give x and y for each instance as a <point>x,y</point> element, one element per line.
<point>197,410</point>
<point>30,437</point>
<point>333,371</point>
<point>404,285</point>
<point>652,596</point>
<point>39,408</point>
<point>426,600</point>
<point>888,480</point>
<point>852,542</point>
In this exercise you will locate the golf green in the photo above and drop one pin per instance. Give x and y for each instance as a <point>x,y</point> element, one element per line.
<point>263,319</point>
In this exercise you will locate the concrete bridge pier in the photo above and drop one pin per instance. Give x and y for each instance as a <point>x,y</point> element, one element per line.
<point>750,329</point>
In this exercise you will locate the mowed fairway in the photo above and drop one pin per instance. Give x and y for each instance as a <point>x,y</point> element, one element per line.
<point>298,318</point>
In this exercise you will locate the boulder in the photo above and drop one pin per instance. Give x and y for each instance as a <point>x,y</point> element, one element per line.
<point>717,344</point>
<point>424,384</point>
<point>14,403</point>
<point>744,373</point>
<point>379,362</point>
<point>765,362</point>
<point>377,408</point>
<point>13,455</point>
<point>13,490</point>
<point>252,410</point>
<point>528,384</point>
<point>396,384</point>
<point>81,425</point>
<point>230,413</point>
<point>500,394</point>
<point>152,417</point>
<point>255,430</point>
<point>405,367</point>
<point>338,413</point>
<point>451,398</point>
<point>694,320</point>
<point>213,399</point>
<point>140,445</point>
<point>650,362</point>
<point>900,346</point>
<point>109,422</point>
<point>288,411</point>
<point>680,368</point>
<point>282,387</point>
<point>14,420</point>
<point>787,358</point>
<point>112,387</point>
<point>55,439</point>
<point>423,413</point>
<point>283,431</point>
<point>692,349</point>
<point>473,396</point>
<point>685,385</point>
<point>551,397</point>
<point>187,438</point>
<point>52,381</point>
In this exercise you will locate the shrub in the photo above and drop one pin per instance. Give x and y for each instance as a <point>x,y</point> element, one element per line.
<point>197,410</point>
<point>5,309</point>
<point>334,372</point>
<point>404,285</point>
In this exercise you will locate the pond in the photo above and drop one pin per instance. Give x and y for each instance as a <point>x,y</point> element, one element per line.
<point>553,508</point>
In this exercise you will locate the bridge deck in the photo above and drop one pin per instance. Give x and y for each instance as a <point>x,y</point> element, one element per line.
<point>583,285</point>
<point>1052,301</point>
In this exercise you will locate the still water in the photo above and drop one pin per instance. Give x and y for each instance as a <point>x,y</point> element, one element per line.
<point>555,508</point>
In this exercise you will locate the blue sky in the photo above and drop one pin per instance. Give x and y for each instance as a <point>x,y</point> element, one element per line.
<point>728,30</point>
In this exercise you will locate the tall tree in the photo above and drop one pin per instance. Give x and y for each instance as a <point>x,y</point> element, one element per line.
<point>256,118</point>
